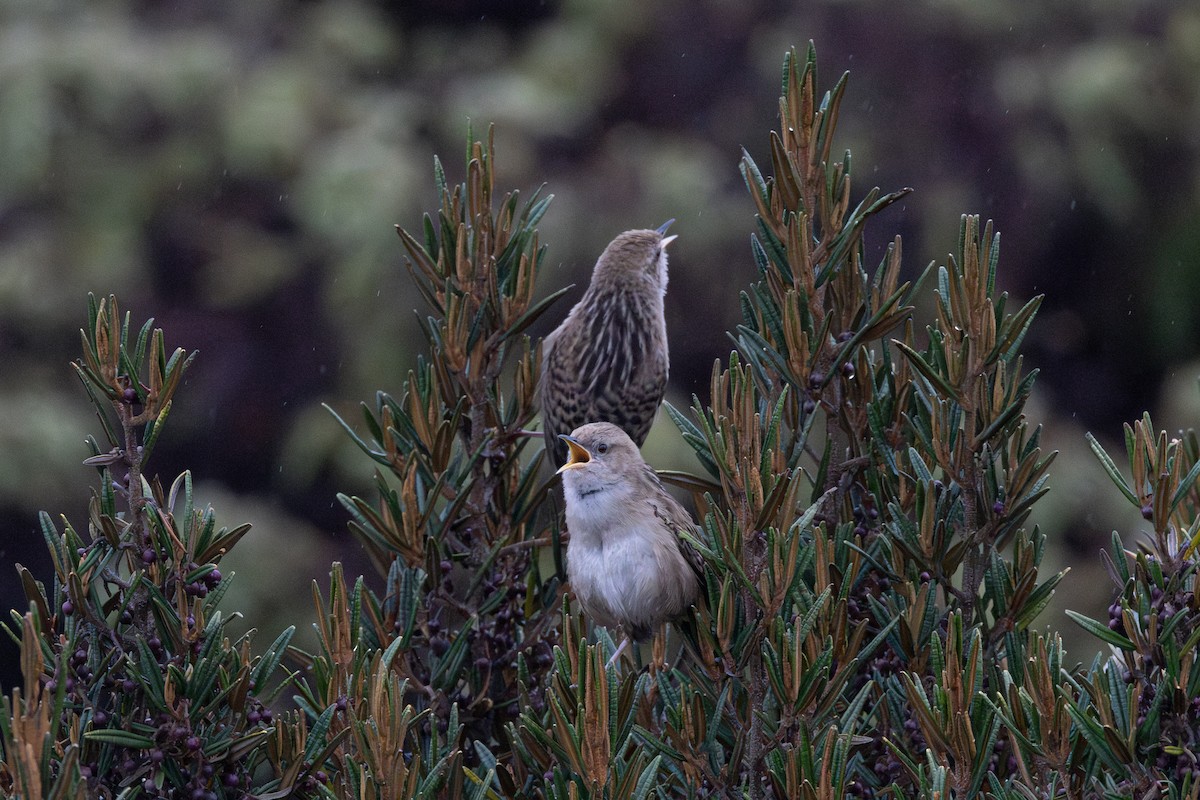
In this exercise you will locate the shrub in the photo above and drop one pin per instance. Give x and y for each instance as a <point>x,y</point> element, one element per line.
<point>870,579</point>
<point>130,682</point>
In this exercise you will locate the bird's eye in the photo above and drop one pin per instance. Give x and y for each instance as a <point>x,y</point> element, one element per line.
<point>602,448</point>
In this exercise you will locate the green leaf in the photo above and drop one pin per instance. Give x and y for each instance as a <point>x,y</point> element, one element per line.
<point>1186,485</point>
<point>120,737</point>
<point>535,311</point>
<point>1102,632</point>
<point>439,177</point>
<point>1110,468</point>
<point>271,658</point>
<point>926,369</point>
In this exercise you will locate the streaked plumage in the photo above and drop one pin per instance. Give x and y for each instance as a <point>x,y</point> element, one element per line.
<point>625,559</point>
<point>608,361</point>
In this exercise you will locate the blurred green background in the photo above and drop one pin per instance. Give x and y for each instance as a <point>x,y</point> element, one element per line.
<point>235,170</point>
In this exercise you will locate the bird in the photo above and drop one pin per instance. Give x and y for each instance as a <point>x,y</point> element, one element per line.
<point>608,360</point>
<point>626,559</point>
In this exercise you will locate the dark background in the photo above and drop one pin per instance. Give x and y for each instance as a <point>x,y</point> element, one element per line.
<point>235,171</point>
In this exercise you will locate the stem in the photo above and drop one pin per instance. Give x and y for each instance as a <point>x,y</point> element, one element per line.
<point>754,557</point>
<point>754,748</point>
<point>140,602</point>
<point>525,545</point>
<point>973,565</point>
<point>133,458</point>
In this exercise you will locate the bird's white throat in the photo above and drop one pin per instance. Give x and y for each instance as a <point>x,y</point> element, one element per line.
<point>591,499</point>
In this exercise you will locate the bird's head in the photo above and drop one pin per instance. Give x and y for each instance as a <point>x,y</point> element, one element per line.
<point>600,457</point>
<point>637,254</point>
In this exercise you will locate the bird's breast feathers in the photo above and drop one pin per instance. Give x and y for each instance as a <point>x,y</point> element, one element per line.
<point>627,573</point>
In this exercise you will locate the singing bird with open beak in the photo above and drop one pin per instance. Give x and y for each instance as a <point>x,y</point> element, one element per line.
<point>607,361</point>
<point>626,560</point>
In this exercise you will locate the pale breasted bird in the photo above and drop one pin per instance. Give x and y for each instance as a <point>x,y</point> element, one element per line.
<point>626,559</point>
<point>607,361</point>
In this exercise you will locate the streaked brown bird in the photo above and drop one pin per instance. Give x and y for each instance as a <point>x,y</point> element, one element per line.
<point>607,361</point>
<point>626,559</point>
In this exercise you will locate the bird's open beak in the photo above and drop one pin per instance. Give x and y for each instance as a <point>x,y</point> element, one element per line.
<point>578,455</point>
<point>663,228</point>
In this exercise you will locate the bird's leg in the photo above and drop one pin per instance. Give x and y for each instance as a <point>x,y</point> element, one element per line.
<point>617,653</point>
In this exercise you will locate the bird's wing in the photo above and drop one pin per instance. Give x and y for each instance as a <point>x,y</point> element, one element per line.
<point>633,389</point>
<point>559,393</point>
<point>678,520</point>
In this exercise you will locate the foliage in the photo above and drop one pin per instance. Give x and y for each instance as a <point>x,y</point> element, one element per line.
<point>467,609</point>
<point>870,579</point>
<point>130,682</point>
